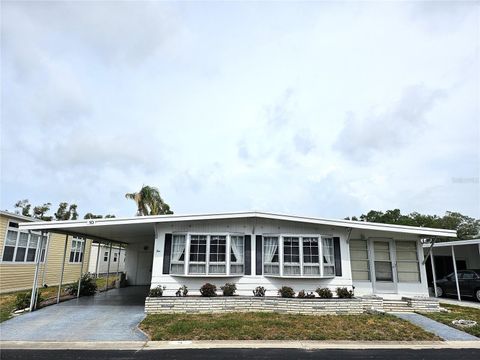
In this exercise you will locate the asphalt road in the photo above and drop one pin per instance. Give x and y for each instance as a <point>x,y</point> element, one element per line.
<point>232,354</point>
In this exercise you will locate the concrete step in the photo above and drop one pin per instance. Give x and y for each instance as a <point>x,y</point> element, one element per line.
<point>396,306</point>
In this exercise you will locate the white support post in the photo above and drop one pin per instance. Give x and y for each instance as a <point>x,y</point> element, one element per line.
<point>98,258</point>
<point>45,259</point>
<point>118,259</point>
<point>84,244</point>
<point>33,297</point>
<point>432,261</point>
<point>108,266</point>
<point>63,269</point>
<point>456,274</point>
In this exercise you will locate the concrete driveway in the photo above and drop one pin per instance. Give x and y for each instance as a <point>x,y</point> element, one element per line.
<point>108,316</point>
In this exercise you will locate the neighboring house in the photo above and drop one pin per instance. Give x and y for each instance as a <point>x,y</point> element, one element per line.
<point>101,256</point>
<point>19,249</point>
<point>254,249</point>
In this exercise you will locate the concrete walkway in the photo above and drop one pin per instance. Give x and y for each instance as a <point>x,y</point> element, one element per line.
<point>109,316</point>
<point>445,332</point>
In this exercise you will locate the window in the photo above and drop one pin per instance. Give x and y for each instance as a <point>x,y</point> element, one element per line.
<point>218,246</point>
<point>177,263</point>
<point>291,256</point>
<point>382,261</point>
<point>359,260</point>
<point>198,254</point>
<point>22,246</point>
<point>407,261</point>
<point>115,257</point>
<point>328,257</point>
<point>237,251</point>
<point>271,264</point>
<point>76,250</point>
<point>105,256</point>
<point>311,264</point>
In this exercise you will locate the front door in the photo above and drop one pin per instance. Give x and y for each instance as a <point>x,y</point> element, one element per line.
<point>144,268</point>
<point>383,266</point>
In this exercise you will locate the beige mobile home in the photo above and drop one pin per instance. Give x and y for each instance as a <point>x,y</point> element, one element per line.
<point>19,249</point>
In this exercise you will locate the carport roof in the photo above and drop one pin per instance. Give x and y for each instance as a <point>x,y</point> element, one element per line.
<point>133,229</point>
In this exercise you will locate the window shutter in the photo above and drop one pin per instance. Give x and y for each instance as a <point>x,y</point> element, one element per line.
<point>247,256</point>
<point>338,256</point>
<point>258,255</point>
<point>167,253</point>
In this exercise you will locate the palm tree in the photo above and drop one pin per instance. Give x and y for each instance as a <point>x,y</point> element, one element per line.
<point>149,202</point>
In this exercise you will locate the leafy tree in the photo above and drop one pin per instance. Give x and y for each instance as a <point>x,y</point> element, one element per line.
<point>109,216</point>
<point>25,206</point>
<point>92,216</point>
<point>39,212</point>
<point>149,202</point>
<point>66,212</point>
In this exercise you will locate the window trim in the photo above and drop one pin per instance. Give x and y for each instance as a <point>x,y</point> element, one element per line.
<point>207,262</point>
<point>302,275</point>
<point>82,250</point>
<point>29,235</point>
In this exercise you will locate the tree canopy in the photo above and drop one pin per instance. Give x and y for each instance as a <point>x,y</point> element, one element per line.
<point>467,227</point>
<point>149,202</point>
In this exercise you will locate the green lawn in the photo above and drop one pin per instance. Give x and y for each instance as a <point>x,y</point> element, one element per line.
<point>7,301</point>
<point>273,326</point>
<point>457,313</point>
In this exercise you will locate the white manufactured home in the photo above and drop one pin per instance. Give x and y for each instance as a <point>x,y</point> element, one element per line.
<point>254,249</point>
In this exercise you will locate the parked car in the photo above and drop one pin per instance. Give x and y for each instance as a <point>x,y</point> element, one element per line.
<point>468,282</point>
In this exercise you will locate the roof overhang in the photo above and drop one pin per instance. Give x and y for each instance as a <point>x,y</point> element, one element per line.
<point>455,243</point>
<point>133,229</point>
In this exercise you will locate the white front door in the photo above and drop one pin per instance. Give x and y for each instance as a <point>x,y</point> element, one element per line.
<point>383,266</point>
<point>144,268</point>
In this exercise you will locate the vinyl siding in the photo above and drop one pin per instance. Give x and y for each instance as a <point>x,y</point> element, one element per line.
<point>19,276</point>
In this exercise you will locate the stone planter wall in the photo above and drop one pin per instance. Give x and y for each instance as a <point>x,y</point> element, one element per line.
<point>317,306</point>
<point>422,304</point>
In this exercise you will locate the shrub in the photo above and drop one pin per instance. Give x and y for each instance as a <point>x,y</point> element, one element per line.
<point>88,286</point>
<point>208,290</point>
<point>259,291</point>
<point>305,295</point>
<point>324,293</point>
<point>286,292</point>
<point>22,300</point>
<point>182,291</point>
<point>157,291</point>
<point>344,293</point>
<point>229,289</point>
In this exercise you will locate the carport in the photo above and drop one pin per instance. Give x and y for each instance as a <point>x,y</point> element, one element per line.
<point>135,234</point>
<point>445,257</point>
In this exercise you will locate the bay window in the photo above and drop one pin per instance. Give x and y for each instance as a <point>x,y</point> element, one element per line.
<point>271,265</point>
<point>237,247</point>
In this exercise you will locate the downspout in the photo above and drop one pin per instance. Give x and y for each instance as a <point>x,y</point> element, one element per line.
<point>429,251</point>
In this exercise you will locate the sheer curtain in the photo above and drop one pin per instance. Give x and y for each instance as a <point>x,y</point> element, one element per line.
<point>178,249</point>
<point>237,247</point>
<point>271,245</point>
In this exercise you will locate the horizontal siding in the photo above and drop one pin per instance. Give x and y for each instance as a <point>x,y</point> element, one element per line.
<point>19,276</point>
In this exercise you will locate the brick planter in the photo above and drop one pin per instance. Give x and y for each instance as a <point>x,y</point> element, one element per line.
<point>225,304</point>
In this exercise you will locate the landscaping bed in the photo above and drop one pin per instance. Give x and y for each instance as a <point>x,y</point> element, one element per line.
<point>274,326</point>
<point>457,313</point>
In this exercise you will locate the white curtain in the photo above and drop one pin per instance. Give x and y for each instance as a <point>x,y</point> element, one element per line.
<point>178,247</point>
<point>270,247</point>
<point>237,248</point>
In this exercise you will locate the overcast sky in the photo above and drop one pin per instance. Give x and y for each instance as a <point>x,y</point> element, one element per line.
<point>321,109</point>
